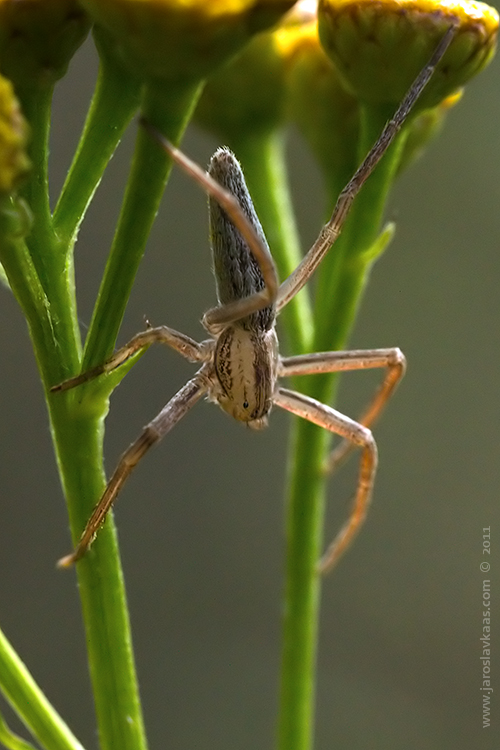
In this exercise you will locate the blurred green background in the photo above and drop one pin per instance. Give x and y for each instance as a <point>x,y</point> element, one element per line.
<point>201,521</point>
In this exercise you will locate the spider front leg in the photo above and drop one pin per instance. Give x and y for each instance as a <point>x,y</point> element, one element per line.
<point>184,345</point>
<point>357,359</point>
<point>331,231</point>
<point>332,420</point>
<point>172,413</point>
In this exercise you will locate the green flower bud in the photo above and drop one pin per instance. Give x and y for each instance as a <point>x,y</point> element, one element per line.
<point>247,94</point>
<point>14,163</point>
<point>325,112</point>
<point>38,39</point>
<point>183,39</point>
<point>379,47</point>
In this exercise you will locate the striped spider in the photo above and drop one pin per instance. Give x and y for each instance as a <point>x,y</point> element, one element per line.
<point>240,364</point>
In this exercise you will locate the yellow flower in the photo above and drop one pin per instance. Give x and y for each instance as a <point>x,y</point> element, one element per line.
<point>182,38</point>
<point>13,135</point>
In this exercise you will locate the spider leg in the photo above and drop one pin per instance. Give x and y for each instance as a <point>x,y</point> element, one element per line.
<point>172,413</point>
<point>186,346</point>
<point>220,316</point>
<point>363,359</point>
<point>332,229</point>
<point>334,421</point>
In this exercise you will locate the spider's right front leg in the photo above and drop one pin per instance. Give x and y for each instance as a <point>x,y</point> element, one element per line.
<point>184,345</point>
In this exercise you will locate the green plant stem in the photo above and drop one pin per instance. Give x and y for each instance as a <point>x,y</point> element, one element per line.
<point>26,698</point>
<point>36,104</point>
<point>54,272</point>
<point>22,275</point>
<point>116,98</point>
<point>12,741</point>
<point>77,417</point>
<point>77,422</point>
<point>341,281</point>
<point>77,436</point>
<point>262,155</point>
<point>169,109</point>
<point>77,431</point>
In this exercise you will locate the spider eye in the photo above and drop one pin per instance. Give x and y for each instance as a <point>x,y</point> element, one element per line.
<point>245,404</point>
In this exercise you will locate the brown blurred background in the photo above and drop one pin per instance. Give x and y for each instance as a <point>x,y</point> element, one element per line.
<point>201,522</point>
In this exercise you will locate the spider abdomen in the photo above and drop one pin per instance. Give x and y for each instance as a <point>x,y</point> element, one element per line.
<point>237,272</point>
<point>246,368</point>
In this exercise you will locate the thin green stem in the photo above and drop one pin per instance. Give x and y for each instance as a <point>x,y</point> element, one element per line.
<point>169,110</point>
<point>22,275</point>
<point>55,273</point>
<point>36,103</point>
<point>3,277</point>
<point>31,705</point>
<point>12,741</point>
<point>115,99</point>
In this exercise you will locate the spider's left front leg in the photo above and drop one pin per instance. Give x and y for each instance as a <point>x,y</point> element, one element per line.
<point>179,342</point>
<point>357,359</point>
<point>332,420</point>
<point>152,433</point>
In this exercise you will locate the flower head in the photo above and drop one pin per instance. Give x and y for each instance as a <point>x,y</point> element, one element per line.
<point>38,39</point>
<point>379,46</point>
<point>14,163</point>
<point>183,38</point>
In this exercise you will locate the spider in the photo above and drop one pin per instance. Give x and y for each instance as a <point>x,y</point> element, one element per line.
<point>240,364</point>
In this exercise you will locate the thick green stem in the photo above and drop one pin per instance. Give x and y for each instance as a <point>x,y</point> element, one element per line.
<point>31,705</point>
<point>302,590</point>
<point>341,281</point>
<point>77,430</point>
<point>78,437</point>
